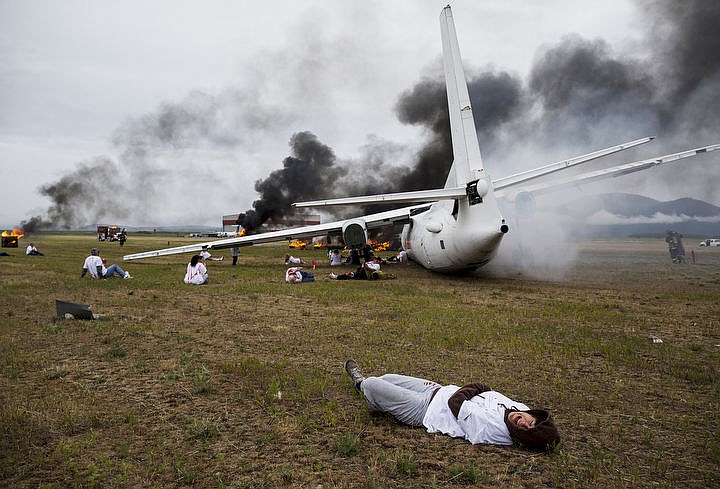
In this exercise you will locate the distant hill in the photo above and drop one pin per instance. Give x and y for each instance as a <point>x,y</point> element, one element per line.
<point>621,214</point>
<point>632,205</point>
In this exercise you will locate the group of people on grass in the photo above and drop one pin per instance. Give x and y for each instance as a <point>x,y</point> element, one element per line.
<point>474,411</point>
<point>369,270</point>
<point>196,272</point>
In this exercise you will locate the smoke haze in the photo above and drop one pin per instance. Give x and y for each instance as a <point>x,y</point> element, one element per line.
<point>580,95</point>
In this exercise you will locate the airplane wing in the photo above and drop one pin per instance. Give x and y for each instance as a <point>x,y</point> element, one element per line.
<point>364,223</point>
<point>611,172</point>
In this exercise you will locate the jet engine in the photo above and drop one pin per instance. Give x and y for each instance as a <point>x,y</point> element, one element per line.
<point>354,233</point>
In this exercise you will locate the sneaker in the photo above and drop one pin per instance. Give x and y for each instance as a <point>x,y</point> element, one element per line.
<point>221,258</point>
<point>353,370</point>
<point>332,276</point>
<point>127,275</point>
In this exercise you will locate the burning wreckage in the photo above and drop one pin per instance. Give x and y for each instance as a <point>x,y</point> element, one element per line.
<point>10,238</point>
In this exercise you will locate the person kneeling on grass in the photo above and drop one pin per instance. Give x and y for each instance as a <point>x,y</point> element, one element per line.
<point>474,412</point>
<point>196,272</point>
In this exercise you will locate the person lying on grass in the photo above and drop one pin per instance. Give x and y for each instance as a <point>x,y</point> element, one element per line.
<point>474,412</point>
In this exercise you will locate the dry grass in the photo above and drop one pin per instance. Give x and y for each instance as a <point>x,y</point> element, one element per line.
<point>240,383</point>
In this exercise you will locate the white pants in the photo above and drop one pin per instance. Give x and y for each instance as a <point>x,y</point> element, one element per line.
<point>406,398</point>
<point>198,279</point>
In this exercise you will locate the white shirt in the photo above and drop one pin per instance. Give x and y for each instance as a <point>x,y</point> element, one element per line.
<point>205,254</point>
<point>293,275</point>
<point>30,249</point>
<point>372,265</point>
<point>480,420</point>
<point>196,274</point>
<point>293,261</point>
<point>91,263</point>
<point>335,259</point>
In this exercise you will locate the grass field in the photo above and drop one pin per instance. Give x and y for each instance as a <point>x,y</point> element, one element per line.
<point>240,383</point>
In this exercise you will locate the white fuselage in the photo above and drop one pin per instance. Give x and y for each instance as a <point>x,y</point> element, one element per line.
<point>445,241</point>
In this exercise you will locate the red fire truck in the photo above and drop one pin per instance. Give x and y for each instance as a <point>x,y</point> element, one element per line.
<point>108,233</point>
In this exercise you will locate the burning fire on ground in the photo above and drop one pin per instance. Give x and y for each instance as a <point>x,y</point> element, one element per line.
<point>10,239</point>
<point>373,244</point>
<point>18,233</point>
<point>298,244</point>
<point>378,246</point>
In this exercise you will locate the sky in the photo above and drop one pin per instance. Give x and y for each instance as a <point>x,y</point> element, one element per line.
<point>170,112</point>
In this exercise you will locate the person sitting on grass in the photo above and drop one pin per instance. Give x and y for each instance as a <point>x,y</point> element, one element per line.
<point>94,264</point>
<point>196,272</point>
<point>32,250</point>
<point>474,412</point>
<point>334,258</point>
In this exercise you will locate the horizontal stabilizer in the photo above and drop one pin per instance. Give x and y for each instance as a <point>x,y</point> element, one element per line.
<point>458,192</point>
<point>614,171</point>
<point>397,198</point>
<point>525,176</point>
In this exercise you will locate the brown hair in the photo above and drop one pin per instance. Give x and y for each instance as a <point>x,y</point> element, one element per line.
<point>542,436</point>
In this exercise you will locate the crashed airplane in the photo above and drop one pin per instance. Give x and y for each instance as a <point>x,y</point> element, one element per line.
<point>458,227</point>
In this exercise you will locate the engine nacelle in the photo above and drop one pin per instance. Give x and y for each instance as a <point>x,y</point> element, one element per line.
<point>354,233</point>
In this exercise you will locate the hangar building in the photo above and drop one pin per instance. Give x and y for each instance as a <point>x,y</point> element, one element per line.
<point>230,222</point>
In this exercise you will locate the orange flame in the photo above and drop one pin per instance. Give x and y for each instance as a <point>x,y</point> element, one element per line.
<point>18,233</point>
<point>320,245</point>
<point>298,243</point>
<point>242,233</point>
<point>377,246</point>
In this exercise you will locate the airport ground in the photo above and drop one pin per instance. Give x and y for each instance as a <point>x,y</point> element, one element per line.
<point>240,382</point>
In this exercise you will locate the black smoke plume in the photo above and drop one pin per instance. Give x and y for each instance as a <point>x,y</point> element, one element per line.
<point>135,185</point>
<point>310,169</point>
<point>579,95</point>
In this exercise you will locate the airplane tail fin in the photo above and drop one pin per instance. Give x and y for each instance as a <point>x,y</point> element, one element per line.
<point>467,165</point>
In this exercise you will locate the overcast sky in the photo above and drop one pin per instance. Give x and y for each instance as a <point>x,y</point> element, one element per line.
<point>78,79</point>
